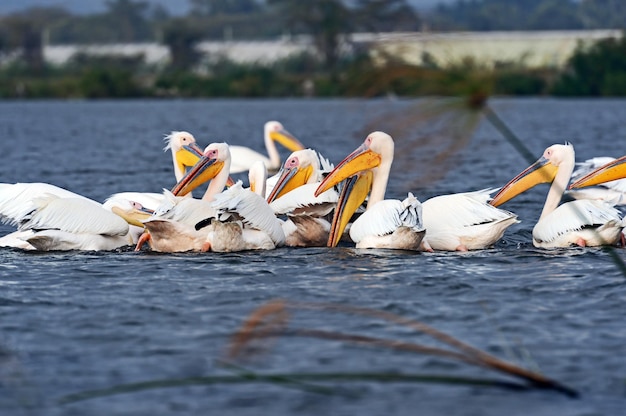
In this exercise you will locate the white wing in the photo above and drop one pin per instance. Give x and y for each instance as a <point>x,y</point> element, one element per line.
<point>387,216</point>
<point>252,208</point>
<point>460,210</point>
<point>73,215</point>
<point>17,199</point>
<point>574,216</point>
<point>186,210</point>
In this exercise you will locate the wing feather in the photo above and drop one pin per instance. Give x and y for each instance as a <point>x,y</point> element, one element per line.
<point>73,215</point>
<point>460,210</point>
<point>252,208</point>
<point>387,216</point>
<point>574,216</point>
<point>17,199</point>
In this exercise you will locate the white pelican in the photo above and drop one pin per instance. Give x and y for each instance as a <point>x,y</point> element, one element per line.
<point>385,223</point>
<point>456,222</point>
<point>53,218</point>
<point>293,195</point>
<point>581,222</point>
<point>594,172</point>
<point>242,220</point>
<point>243,157</point>
<point>172,227</point>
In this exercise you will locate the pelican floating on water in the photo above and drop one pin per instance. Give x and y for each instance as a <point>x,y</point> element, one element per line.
<point>293,195</point>
<point>581,222</point>
<point>53,218</point>
<point>243,157</point>
<point>455,222</point>
<point>172,227</point>
<point>385,223</point>
<point>242,220</point>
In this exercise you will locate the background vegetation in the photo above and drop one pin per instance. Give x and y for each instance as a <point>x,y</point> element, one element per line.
<point>599,70</point>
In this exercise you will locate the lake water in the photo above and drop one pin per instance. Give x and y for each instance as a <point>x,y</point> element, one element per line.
<point>77,322</point>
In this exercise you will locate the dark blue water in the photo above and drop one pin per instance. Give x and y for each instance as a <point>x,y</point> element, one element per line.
<point>73,322</point>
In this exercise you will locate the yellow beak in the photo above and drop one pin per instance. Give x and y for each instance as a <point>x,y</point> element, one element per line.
<point>542,171</point>
<point>133,216</point>
<point>286,139</point>
<point>353,193</point>
<point>610,172</point>
<point>203,171</point>
<point>188,156</point>
<point>358,161</point>
<point>290,179</point>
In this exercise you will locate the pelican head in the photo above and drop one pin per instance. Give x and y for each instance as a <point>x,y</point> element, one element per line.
<point>215,158</point>
<point>185,151</point>
<point>275,131</point>
<point>299,169</point>
<point>133,212</point>
<point>556,159</point>
<point>376,151</point>
<point>613,170</point>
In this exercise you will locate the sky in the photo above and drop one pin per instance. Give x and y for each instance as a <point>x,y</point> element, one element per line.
<point>95,6</point>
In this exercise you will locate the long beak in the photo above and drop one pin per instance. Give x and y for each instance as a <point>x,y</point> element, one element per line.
<point>354,192</point>
<point>361,159</point>
<point>542,171</point>
<point>290,179</point>
<point>286,139</point>
<point>610,172</point>
<point>134,216</point>
<point>203,171</point>
<point>188,156</point>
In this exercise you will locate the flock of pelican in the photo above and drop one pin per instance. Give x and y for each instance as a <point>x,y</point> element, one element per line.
<point>311,203</point>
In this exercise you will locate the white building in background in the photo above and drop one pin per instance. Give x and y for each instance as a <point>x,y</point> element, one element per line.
<point>532,48</point>
<point>529,48</point>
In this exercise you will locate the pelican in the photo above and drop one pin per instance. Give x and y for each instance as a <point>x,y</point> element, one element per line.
<point>385,223</point>
<point>608,172</point>
<point>53,218</point>
<point>581,222</point>
<point>172,227</point>
<point>242,220</point>
<point>456,222</point>
<point>243,157</point>
<point>293,196</point>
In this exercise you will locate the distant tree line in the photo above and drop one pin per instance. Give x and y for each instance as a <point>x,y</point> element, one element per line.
<point>598,70</point>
